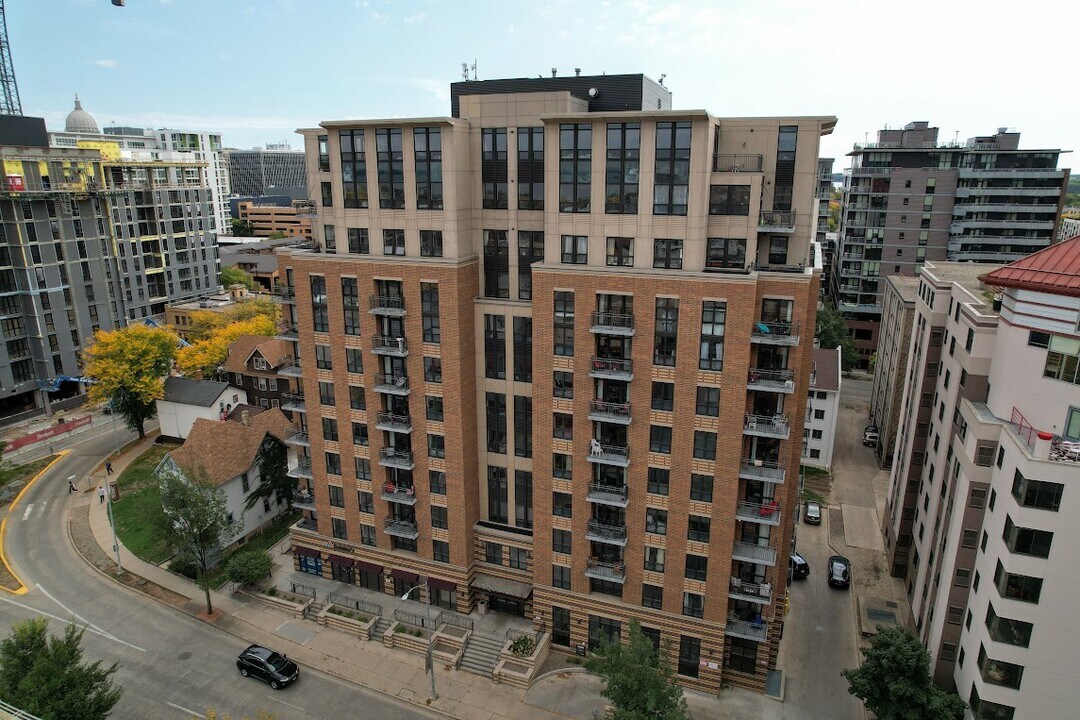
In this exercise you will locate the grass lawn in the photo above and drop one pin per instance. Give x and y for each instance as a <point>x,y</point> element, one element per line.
<point>809,470</point>
<point>23,473</point>
<point>265,540</point>
<point>140,521</point>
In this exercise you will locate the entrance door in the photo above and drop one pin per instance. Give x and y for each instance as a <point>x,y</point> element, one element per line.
<point>311,565</point>
<point>342,573</point>
<point>506,604</point>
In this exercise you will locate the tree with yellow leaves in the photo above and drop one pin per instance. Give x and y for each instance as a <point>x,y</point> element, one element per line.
<point>204,323</point>
<point>207,355</point>
<point>127,367</point>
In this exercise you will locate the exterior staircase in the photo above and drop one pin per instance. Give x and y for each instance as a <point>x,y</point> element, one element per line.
<point>381,626</point>
<point>314,609</point>
<point>481,654</point>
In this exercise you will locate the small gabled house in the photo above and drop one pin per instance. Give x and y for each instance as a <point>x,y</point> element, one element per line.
<point>227,454</point>
<point>188,399</point>
<point>253,364</point>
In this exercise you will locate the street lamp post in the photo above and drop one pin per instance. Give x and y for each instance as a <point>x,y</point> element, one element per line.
<point>431,636</point>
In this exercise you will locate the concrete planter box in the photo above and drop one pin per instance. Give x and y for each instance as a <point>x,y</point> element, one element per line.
<point>351,625</point>
<point>449,644</point>
<point>297,605</point>
<point>514,670</point>
<point>405,639</point>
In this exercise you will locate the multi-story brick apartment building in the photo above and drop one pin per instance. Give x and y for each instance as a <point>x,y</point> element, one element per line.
<point>546,349</point>
<point>979,522</point>
<point>890,367</point>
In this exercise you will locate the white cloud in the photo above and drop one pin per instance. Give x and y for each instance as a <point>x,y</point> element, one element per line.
<point>107,63</point>
<point>417,18</point>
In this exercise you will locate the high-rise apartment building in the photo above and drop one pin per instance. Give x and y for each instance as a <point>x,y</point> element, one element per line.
<point>555,351</point>
<point>824,194</point>
<point>909,198</point>
<point>890,366</point>
<point>980,513</point>
<point>206,147</point>
<point>267,171</point>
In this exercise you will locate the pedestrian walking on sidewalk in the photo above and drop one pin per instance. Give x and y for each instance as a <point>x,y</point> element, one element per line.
<point>71,487</point>
<point>108,467</point>
<point>101,494</point>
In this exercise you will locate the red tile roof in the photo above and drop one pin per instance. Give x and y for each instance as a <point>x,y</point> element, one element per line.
<point>1055,270</point>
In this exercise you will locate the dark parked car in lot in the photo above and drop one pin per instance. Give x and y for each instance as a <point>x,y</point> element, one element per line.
<point>812,516</point>
<point>839,572</point>
<point>268,666</point>
<point>798,567</point>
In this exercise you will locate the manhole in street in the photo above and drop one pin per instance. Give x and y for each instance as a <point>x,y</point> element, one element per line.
<point>183,656</point>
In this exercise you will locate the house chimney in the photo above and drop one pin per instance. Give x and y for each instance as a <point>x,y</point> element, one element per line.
<point>577,72</point>
<point>244,418</point>
<point>554,72</point>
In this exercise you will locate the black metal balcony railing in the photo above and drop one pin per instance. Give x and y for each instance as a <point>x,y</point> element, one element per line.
<point>614,454</point>
<point>612,411</point>
<point>612,322</point>
<point>392,422</point>
<point>403,494</point>
<point>606,569</point>
<point>387,345</point>
<point>302,498</point>
<point>778,380</point>
<point>392,384</point>
<point>727,162</point>
<point>391,304</point>
<point>614,368</point>
<point>609,494</point>
<point>767,425</point>
<point>293,402</point>
<point>778,219</point>
<point>754,592</point>
<point>775,332</point>
<point>300,469</point>
<point>286,292</point>
<point>288,331</point>
<point>401,528</point>
<point>395,457</point>
<point>606,533</point>
<point>763,513</point>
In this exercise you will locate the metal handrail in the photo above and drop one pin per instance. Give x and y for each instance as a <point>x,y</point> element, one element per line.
<point>776,376</point>
<point>621,410</point>
<point>775,327</point>
<point>386,342</point>
<point>398,381</point>
<point>603,364</point>
<point>598,449</point>
<point>389,453</point>
<point>762,590</point>
<point>387,302</point>
<point>607,567</point>
<point>735,162</point>
<point>415,619</point>
<point>772,421</point>
<point>608,532</point>
<point>618,492</point>
<point>776,218</point>
<point>610,319</point>
<point>347,601</point>
<point>386,418</point>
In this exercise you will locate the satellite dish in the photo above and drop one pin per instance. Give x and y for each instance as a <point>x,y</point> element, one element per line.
<point>593,92</point>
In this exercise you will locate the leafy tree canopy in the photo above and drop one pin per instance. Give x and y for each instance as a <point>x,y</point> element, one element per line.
<point>209,354</point>
<point>241,228</point>
<point>276,235</point>
<point>249,567</point>
<point>274,481</point>
<point>833,333</point>
<point>127,367</point>
<point>236,276</point>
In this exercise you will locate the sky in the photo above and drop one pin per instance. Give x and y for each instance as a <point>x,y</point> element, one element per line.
<point>256,70</point>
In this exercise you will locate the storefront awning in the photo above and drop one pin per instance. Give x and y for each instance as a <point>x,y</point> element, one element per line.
<point>502,586</point>
<point>342,561</point>
<point>404,576</point>
<point>370,567</point>
<point>307,552</point>
<point>441,584</point>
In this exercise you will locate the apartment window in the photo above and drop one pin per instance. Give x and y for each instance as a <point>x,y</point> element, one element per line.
<point>496,264</point>
<point>493,168</point>
<point>440,551</point>
<point>493,553</point>
<point>434,407</point>
<point>360,434</point>
<point>362,467</point>
<point>778,252</point>
<point>562,466</point>
<point>496,422</point>
<point>689,655</point>
<point>530,250</point>
<point>562,541</point>
<point>969,537</point>
<point>326,393</point>
<point>1027,541</point>
<point>667,331</point>
<point>523,431</point>
<point>741,655</point>
<point>354,360</point>
<point>701,487</point>
<point>575,249</point>
<point>429,312</point>
<point>704,445</point>
<point>329,237</point>
<point>495,346</point>
<point>439,517</point>
<point>620,252</point>
<point>623,160</point>
<point>327,191</point>
<point>530,168</point>
<point>998,672</point>
<point>333,463</point>
<point>667,253</point>
<point>708,401</point>
<point>652,596</point>
<point>659,481</point>
<point>562,504</point>
<point>391,167</point>
<point>563,426</point>
<point>729,200</point>
<point>337,496</point>
<point>560,578</point>
<point>713,317</point>
<point>660,439</point>
<point>353,168</point>
<point>672,174</point>
<point>1036,493</point>
<point>698,528</point>
<point>427,151</point>
<point>358,240</point>
<point>393,242</point>
<point>562,384</point>
<point>725,253</point>
<point>322,357</point>
<point>564,323</point>
<point>523,500</point>
<point>1011,632</point>
<point>655,521</point>
<point>663,396</point>
<point>983,709</point>
<point>433,369</point>
<point>523,349</point>
<point>654,559</point>
<point>962,577</point>
<point>365,501</point>
<point>350,302</point>
<point>436,446</point>
<point>431,243</point>
<point>319,314</point>
<point>575,167</point>
<point>696,567</point>
<point>329,429</point>
<point>497,494</point>
<point>1017,587</point>
<point>339,530</point>
<point>437,482</point>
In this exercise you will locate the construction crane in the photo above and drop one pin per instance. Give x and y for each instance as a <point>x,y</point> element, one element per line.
<point>9,91</point>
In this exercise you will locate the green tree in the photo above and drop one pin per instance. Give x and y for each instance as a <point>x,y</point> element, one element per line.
<point>638,682</point>
<point>236,276</point>
<point>894,680</point>
<point>832,332</point>
<point>241,228</point>
<point>44,675</point>
<point>126,366</point>
<point>274,481</point>
<point>276,235</point>
<point>199,521</point>
<point>834,210</point>
<point>249,567</point>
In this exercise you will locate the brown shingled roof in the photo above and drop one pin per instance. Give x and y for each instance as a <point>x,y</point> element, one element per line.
<point>240,351</point>
<point>827,376</point>
<point>227,449</point>
<point>1054,270</point>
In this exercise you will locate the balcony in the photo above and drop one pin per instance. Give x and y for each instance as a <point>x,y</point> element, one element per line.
<point>392,346</point>
<point>748,629</point>
<point>611,369</point>
<point>605,570</point>
<point>285,293</point>
<point>774,332</point>
<point>300,469</point>
<point>304,208</point>
<point>293,402</point>
<point>608,323</point>
<point>1013,173</point>
<point>759,593</point>
<point>964,192</point>
<point>303,500</point>
<point>771,426</point>
<point>392,457</point>
<point>958,226</point>
<point>865,171</point>
<point>307,525</point>
<point>401,528</point>
<point>393,423</point>
<point>601,494</point>
<point>618,455</point>
<point>761,470</point>
<point>392,384</point>
<point>402,495</point>
<point>287,332</point>
<point>388,305</point>
<point>776,221</point>
<point>612,412</point>
<point>291,370</point>
<point>724,162</point>
<point>298,437</point>
<point>766,514</point>
<point>752,552</point>
<point>611,534</point>
<point>777,381</point>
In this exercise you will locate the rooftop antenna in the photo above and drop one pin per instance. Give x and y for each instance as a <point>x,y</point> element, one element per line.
<point>662,76</point>
<point>474,69</point>
<point>554,72</point>
<point>465,71</point>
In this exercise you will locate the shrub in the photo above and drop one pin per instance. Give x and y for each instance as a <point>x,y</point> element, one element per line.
<point>272,592</point>
<point>399,628</point>
<point>523,646</point>
<point>184,564</point>
<point>249,567</point>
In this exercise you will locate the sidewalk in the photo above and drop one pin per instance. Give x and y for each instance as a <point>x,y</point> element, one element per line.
<point>395,672</point>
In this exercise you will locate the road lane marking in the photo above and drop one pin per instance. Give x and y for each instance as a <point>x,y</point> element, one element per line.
<point>3,525</point>
<point>278,700</point>
<point>181,708</point>
<point>41,509</point>
<point>94,631</point>
<point>77,616</point>
<point>29,509</point>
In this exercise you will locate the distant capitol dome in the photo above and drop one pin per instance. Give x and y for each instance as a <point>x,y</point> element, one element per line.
<point>80,121</point>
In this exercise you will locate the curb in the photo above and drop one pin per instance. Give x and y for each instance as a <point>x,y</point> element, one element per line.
<point>3,524</point>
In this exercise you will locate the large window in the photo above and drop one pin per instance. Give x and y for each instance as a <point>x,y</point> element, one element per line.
<point>523,500</point>
<point>672,168</point>
<point>431,243</point>
<point>698,528</point>
<point>497,494</point>
<point>522,349</point>
<point>602,629</point>
<point>652,596</point>
<point>741,655</point>
<point>659,481</point>
<point>1036,493</point>
<point>701,487</point>
<point>713,316</point>
<point>353,168</point>
<point>1011,632</point>
<point>391,168</point>
<point>689,655</point>
<point>429,312</point>
<point>427,148</point>
<point>693,605</point>
<point>563,426</point>
<point>393,242</point>
<point>359,244</point>
<point>495,346</point>
<point>667,331</point>
<point>708,401</point>
<point>575,167</point>
<point>986,710</point>
<point>496,422</point>
<point>496,264</point>
<point>575,249</point>
<point>562,504</point>
<point>660,439</point>
<point>704,445</point>
<point>729,200</point>
<point>1027,541</point>
<point>667,253</point>
<point>721,253</point>
<point>654,559</point>
<point>998,672</point>
<point>350,303</point>
<point>620,252</point>
<point>530,250</point>
<point>523,431</point>
<point>663,396</point>
<point>319,313</point>
<point>564,323</point>
<point>623,161</point>
<point>530,168</point>
<point>1017,587</point>
<point>493,167</point>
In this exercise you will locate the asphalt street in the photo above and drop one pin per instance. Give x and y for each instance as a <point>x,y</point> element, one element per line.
<point>171,665</point>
